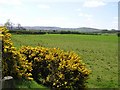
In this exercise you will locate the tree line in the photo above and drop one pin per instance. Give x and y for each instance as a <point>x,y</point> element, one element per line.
<point>21,30</point>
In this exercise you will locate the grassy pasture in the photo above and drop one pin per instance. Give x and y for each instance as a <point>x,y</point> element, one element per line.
<point>99,52</point>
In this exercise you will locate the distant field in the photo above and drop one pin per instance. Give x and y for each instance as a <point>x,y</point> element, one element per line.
<point>99,52</point>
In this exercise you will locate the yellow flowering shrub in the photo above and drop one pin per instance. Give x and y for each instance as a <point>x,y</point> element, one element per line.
<point>13,63</point>
<point>56,68</point>
<point>52,67</point>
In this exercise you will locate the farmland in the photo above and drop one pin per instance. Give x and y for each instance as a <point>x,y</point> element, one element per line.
<point>99,52</point>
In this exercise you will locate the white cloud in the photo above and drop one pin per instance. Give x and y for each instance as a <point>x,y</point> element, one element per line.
<point>93,3</point>
<point>87,20</point>
<point>43,21</point>
<point>111,0</point>
<point>43,6</point>
<point>79,9</point>
<point>10,2</point>
<point>114,25</point>
<point>57,1</point>
<point>53,21</point>
<point>90,2</point>
<point>115,22</point>
<point>85,15</point>
<point>116,18</point>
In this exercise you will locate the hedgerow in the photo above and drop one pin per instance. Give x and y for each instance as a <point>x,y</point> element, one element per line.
<point>52,67</point>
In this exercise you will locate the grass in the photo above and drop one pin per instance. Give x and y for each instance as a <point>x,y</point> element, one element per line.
<point>99,52</point>
<point>29,84</point>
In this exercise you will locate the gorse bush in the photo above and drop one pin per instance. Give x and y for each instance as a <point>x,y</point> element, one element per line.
<point>13,63</point>
<point>51,67</point>
<point>56,68</point>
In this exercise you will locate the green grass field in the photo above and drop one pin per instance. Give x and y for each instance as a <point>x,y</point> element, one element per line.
<point>99,52</point>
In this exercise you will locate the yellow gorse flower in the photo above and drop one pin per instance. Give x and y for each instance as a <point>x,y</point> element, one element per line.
<point>56,67</point>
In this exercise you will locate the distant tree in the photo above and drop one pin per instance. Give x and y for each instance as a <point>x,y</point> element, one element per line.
<point>9,24</point>
<point>19,26</point>
<point>112,29</point>
<point>105,30</point>
<point>54,30</point>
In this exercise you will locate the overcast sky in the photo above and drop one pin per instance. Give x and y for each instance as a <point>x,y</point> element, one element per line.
<point>102,14</point>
